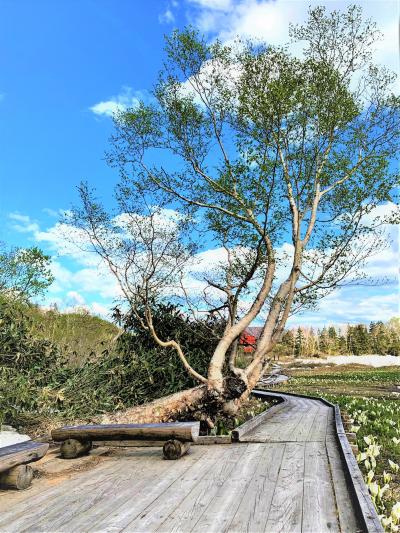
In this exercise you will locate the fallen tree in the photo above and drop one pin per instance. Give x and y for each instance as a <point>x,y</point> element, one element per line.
<point>277,159</point>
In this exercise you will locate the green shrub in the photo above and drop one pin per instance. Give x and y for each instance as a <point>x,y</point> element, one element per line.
<point>37,381</point>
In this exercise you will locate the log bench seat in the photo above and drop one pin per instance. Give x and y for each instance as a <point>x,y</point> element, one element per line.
<point>15,472</point>
<point>176,436</point>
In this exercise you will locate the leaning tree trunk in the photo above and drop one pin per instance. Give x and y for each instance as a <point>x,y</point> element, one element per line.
<point>160,410</point>
<point>232,405</point>
<point>201,400</point>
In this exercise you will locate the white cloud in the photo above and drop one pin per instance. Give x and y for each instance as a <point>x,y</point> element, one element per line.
<point>351,306</point>
<point>75,298</point>
<point>126,99</point>
<point>82,279</point>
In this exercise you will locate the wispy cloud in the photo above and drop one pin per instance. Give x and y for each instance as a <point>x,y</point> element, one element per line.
<point>128,98</point>
<point>167,17</point>
<point>217,5</point>
<point>23,223</point>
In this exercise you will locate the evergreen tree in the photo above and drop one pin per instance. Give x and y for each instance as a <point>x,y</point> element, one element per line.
<point>299,343</point>
<point>360,340</point>
<point>332,340</point>
<point>288,342</point>
<point>324,341</point>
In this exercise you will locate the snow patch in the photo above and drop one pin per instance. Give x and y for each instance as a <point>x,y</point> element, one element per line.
<point>369,360</point>
<point>7,438</point>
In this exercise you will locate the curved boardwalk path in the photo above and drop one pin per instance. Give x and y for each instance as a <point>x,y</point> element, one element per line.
<point>286,475</point>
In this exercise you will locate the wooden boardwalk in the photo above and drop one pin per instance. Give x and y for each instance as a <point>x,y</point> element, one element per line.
<point>287,476</point>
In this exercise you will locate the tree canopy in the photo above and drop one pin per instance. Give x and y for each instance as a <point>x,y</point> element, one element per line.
<point>277,156</point>
<point>24,272</point>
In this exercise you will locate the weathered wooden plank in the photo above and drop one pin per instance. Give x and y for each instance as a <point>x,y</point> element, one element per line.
<point>204,439</point>
<point>115,516</point>
<point>222,508</point>
<point>319,504</point>
<point>286,507</point>
<point>84,505</point>
<point>38,507</point>
<point>282,427</point>
<point>185,431</point>
<point>252,513</point>
<point>271,430</point>
<point>320,425</point>
<point>21,453</point>
<point>213,439</point>
<point>306,424</point>
<point>128,443</point>
<point>188,512</point>
<point>151,517</point>
<point>240,432</point>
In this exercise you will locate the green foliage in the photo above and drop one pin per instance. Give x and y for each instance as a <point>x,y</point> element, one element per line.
<point>27,364</point>
<point>37,380</point>
<point>299,343</point>
<point>25,272</point>
<point>198,338</point>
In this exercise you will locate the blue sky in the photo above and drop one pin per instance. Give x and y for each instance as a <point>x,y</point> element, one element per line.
<point>66,65</point>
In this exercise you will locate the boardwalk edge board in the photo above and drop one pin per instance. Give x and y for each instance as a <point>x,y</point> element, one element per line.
<point>366,508</point>
<point>238,432</point>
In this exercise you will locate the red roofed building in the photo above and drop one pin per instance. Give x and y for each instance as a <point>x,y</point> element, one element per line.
<point>247,342</point>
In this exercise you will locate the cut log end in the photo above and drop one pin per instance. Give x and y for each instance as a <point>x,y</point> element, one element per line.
<point>72,448</point>
<point>174,449</point>
<point>20,477</point>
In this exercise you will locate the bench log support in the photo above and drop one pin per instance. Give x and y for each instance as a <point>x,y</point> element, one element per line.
<point>15,473</point>
<point>72,448</point>
<point>20,477</point>
<point>174,449</point>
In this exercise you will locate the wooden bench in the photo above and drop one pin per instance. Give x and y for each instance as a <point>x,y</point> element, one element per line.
<point>15,473</point>
<point>176,437</point>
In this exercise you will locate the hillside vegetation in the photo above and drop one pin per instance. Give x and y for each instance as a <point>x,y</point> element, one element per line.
<point>78,334</point>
